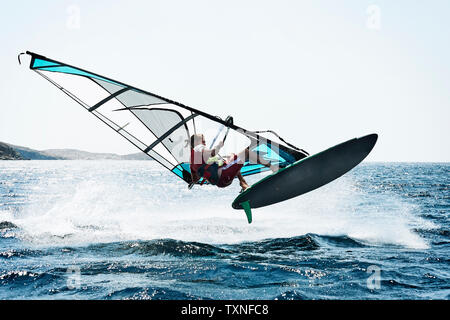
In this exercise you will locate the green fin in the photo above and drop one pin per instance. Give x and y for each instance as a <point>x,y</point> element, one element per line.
<point>248,210</point>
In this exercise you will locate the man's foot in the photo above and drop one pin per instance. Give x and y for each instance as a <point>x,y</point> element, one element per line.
<point>244,187</point>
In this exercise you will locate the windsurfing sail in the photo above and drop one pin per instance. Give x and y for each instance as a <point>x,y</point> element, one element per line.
<point>160,127</point>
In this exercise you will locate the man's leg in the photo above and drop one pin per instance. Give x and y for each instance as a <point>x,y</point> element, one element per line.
<point>242,181</point>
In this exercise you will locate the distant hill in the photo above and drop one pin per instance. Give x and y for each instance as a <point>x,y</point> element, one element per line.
<point>73,154</point>
<point>30,154</point>
<point>8,153</point>
<point>12,152</point>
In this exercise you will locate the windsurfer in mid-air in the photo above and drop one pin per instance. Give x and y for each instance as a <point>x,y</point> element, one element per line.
<point>206,163</point>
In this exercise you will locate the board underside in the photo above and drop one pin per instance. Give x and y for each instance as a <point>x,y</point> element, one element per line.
<point>307,174</point>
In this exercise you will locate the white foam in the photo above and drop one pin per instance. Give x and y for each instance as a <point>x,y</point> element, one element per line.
<point>131,201</point>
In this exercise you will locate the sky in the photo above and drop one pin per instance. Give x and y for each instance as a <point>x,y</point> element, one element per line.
<point>316,72</point>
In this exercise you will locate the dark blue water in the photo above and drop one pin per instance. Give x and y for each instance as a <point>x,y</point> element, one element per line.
<point>129,230</point>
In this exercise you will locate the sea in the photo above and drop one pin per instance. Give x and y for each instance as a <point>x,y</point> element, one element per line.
<point>133,230</point>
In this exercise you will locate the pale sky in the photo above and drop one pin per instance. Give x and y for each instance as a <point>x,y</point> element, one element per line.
<point>317,72</point>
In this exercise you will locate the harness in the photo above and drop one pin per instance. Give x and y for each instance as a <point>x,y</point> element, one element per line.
<point>204,170</point>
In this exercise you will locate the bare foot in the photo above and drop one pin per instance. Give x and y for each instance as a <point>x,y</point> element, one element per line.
<point>244,186</point>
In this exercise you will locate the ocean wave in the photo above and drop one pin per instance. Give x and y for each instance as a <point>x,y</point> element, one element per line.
<point>245,251</point>
<point>20,278</point>
<point>341,241</point>
<point>171,247</point>
<point>7,225</point>
<point>19,253</point>
<point>291,295</point>
<point>142,293</point>
<point>285,245</point>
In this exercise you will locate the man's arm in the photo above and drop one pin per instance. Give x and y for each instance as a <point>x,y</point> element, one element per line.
<point>208,153</point>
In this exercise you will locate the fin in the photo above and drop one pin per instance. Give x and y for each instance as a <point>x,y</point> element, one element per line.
<point>248,210</point>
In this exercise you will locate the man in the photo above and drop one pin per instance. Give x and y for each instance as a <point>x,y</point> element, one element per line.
<point>207,164</point>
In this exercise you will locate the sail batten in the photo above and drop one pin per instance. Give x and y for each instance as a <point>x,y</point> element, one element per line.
<point>96,106</point>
